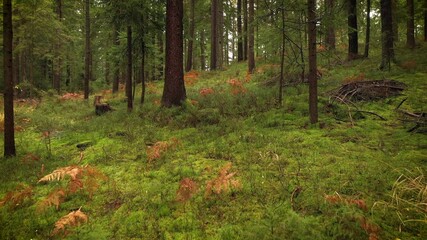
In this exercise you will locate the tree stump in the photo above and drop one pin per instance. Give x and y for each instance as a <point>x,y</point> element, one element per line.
<point>101,108</point>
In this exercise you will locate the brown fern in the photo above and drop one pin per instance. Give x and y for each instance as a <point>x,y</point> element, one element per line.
<point>91,181</point>
<point>74,218</point>
<point>187,188</point>
<point>55,198</point>
<point>17,197</point>
<point>223,183</point>
<point>60,173</point>
<point>159,148</point>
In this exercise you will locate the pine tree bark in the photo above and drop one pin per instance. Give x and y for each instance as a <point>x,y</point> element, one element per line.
<point>129,70</point>
<point>394,7</point>
<point>88,58</point>
<point>220,34</point>
<point>116,77</point>
<point>202,50</point>
<point>245,30</point>
<point>312,61</point>
<point>353,40</point>
<point>239,31</point>
<point>174,90</point>
<point>387,51</point>
<point>9,125</point>
<point>214,36</point>
<point>142,71</point>
<point>58,61</point>
<point>410,28</point>
<point>368,28</point>
<point>425,20</point>
<point>189,64</point>
<point>251,53</point>
<point>330,31</point>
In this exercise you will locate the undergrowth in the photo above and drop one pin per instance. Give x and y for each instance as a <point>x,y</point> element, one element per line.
<point>229,164</point>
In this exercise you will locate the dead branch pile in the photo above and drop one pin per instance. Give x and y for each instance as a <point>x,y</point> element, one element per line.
<point>367,90</point>
<point>417,118</point>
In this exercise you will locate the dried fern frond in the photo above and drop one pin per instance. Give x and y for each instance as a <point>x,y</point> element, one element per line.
<point>187,187</point>
<point>60,173</point>
<point>55,198</point>
<point>72,219</point>
<point>91,179</point>
<point>224,182</point>
<point>17,197</point>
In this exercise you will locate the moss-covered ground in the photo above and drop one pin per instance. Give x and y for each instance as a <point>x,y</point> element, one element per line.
<point>252,170</point>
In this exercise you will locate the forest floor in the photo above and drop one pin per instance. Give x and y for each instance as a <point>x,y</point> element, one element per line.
<point>229,164</point>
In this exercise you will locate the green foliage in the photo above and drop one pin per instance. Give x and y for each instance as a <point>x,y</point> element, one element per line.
<point>298,181</point>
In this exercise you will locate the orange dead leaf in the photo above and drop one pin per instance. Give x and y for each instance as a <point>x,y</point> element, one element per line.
<point>187,187</point>
<point>72,219</point>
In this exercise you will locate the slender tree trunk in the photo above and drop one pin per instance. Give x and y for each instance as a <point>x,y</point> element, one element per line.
<point>312,58</point>
<point>368,28</point>
<point>9,126</point>
<point>251,53</point>
<point>330,31</point>
<point>129,69</point>
<point>220,34</point>
<point>214,34</point>
<point>239,31</point>
<point>395,24</point>
<point>425,20</point>
<point>410,28</point>
<point>162,52</point>
<point>282,57</point>
<point>245,30</point>
<point>142,71</point>
<point>58,61</point>
<point>116,77</point>
<point>353,41</point>
<point>202,50</point>
<point>88,62</point>
<point>174,90</point>
<point>387,34</point>
<point>189,64</point>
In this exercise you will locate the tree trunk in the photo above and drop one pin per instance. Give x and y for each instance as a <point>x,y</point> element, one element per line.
<point>129,69</point>
<point>368,28</point>
<point>220,35</point>
<point>312,61</point>
<point>9,126</point>
<point>282,57</point>
<point>202,50</point>
<point>330,31</point>
<point>174,89</point>
<point>142,71</point>
<point>425,20</point>
<point>58,61</point>
<point>251,53</point>
<point>189,64</point>
<point>239,31</point>
<point>394,11</point>
<point>245,30</point>
<point>387,34</point>
<point>410,36</point>
<point>88,62</point>
<point>214,36</point>
<point>352,30</point>
<point>116,77</point>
